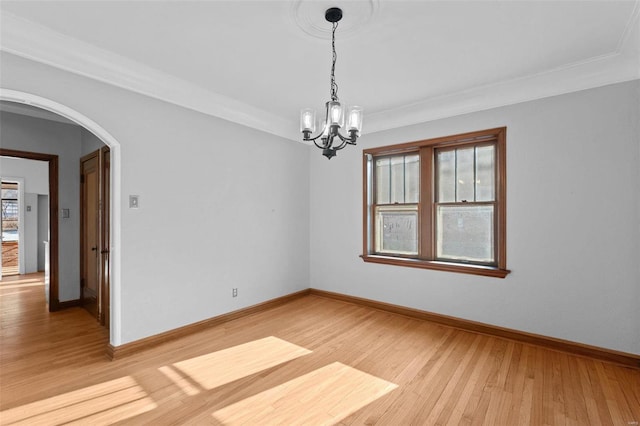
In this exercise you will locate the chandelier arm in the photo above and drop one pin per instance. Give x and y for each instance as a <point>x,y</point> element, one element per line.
<point>326,142</point>
<point>350,141</point>
<point>343,144</point>
<point>314,139</point>
<point>316,143</point>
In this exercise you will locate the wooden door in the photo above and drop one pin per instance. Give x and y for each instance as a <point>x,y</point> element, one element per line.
<point>90,291</point>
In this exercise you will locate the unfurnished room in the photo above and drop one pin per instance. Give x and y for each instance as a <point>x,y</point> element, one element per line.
<point>311,212</point>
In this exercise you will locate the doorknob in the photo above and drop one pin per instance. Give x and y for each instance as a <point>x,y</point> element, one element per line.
<point>94,248</point>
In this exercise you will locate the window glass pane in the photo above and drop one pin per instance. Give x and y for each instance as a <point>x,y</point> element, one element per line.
<point>446,169</point>
<point>485,173</point>
<point>397,179</point>
<point>465,233</point>
<point>9,220</point>
<point>9,210</point>
<point>412,178</point>
<point>397,230</point>
<point>464,174</point>
<point>382,181</point>
<point>10,193</point>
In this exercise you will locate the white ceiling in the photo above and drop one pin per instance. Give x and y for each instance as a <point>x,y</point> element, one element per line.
<point>259,62</point>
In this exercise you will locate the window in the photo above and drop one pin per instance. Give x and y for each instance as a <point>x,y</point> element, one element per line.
<point>438,204</point>
<point>9,211</point>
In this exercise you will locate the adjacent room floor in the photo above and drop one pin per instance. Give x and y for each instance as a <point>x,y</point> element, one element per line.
<point>310,361</point>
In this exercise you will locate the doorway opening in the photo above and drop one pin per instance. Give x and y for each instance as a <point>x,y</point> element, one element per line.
<point>51,249</point>
<point>10,220</point>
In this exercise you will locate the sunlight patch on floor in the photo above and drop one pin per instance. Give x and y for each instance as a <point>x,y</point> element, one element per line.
<point>104,403</point>
<point>222,367</point>
<point>324,396</point>
<point>14,285</point>
<point>22,282</point>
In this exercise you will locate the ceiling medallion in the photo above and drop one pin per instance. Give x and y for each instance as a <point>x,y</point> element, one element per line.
<point>308,15</point>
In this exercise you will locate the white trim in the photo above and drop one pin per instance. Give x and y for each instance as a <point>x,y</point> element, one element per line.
<point>116,230</point>
<point>41,44</point>
<point>631,24</point>
<point>595,72</point>
<point>23,109</point>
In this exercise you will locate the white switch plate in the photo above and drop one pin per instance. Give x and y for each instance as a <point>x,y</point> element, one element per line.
<point>134,201</point>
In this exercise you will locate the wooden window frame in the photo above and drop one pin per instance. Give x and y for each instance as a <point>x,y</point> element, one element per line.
<point>426,206</point>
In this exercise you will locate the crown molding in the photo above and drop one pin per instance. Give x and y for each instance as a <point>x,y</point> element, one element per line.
<point>620,65</point>
<point>602,71</point>
<point>41,44</point>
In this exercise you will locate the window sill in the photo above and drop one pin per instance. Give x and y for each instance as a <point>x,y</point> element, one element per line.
<point>487,271</point>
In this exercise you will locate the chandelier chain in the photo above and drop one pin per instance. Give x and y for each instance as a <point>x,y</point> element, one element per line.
<point>334,85</point>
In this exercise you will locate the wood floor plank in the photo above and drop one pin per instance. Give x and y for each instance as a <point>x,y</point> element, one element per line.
<point>310,361</point>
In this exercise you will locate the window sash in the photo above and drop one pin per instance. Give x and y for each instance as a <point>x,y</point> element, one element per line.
<point>397,230</point>
<point>472,243</point>
<point>478,178</point>
<point>390,184</point>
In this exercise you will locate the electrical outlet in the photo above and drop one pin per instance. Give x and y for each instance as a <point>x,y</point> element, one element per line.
<point>234,292</point>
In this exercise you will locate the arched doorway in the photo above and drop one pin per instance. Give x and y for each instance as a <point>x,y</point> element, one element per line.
<point>115,193</point>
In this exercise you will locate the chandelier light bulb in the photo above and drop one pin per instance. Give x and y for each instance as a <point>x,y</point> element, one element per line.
<point>335,114</point>
<point>355,119</point>
<point>308,120</point>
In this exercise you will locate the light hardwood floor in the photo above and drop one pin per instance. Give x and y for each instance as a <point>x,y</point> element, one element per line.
<point>10,264</point>
<point>311,361</point>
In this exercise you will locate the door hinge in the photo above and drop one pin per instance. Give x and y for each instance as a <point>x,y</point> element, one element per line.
<point>82,284</point>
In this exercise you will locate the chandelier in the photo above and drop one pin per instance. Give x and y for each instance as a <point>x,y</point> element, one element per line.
<point>331,140</point>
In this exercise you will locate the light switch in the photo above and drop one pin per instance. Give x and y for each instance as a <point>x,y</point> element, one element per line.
<point>65,214</point>
<point>133,201</point>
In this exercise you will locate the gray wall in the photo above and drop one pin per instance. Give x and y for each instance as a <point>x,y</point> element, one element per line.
<point>90,142</point>
<point>43,229</point>
<point>30,232</point>
<point>221,206</point>
<point>34,172</point>
<point>49,137</point>
<point>573,214</point>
